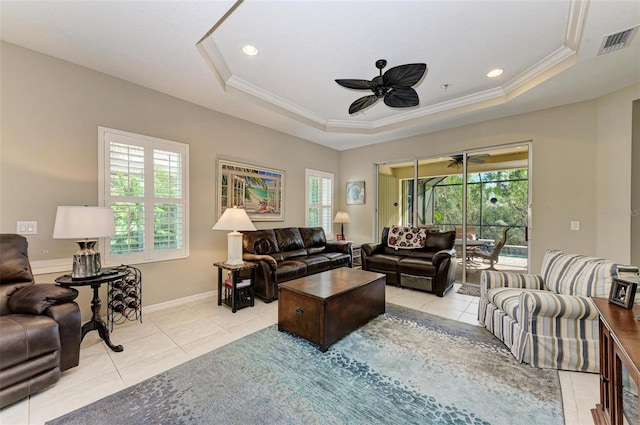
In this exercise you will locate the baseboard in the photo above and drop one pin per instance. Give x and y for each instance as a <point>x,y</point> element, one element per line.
<point>179,301</point>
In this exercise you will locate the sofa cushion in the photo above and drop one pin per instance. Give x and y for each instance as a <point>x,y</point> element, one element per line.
<point>506,300</point>
<point>396,252</point>
<point>297,253</point>
<point>437,240</point>
<point>35,299</point>
<point>288,270</point>
<point>383,262</point>
<point>575,274</point>
<point>316,263</point>
<point>403,237</point>
<point>422,254</point>
<point>314,239</point>
<point>289,239</point>
<point>260,242</point>
<point>416,266</point>
<point>337,259</point>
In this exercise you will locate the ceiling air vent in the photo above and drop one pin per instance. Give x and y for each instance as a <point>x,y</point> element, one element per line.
<point>617,41</point>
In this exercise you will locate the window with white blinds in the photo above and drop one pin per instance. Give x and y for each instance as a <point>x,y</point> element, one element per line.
<point>145,181</point>
<point>319,200</point>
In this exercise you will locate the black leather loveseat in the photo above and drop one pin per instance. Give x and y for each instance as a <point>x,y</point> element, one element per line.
<point>289,253</point>
<point>429,263</point>
<point>39,326</point>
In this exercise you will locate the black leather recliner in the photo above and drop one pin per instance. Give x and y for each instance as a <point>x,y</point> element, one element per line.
<point>430,268</point>
<point>39,326</point>
<point>289,253</point>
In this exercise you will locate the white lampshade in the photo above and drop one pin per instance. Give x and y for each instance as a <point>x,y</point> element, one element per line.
<point>342,217</point>
<point>82,222</point>
<point>234,219</point>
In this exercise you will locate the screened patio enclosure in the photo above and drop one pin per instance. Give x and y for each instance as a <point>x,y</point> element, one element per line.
<point>479,197</point>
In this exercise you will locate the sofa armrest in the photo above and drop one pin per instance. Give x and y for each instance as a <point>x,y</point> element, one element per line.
<point>558,331</point>
<point>494,279</point>
<point>67,316</point>
<point>339,246</point>
<point>556,306</point>
<point>370,248</point>
<point>441,255</point>
<point>273,264</point>
<point>36,298</point>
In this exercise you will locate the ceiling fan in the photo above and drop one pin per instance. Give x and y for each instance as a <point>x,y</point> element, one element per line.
<point>394,86</point>
<point>456,160</point>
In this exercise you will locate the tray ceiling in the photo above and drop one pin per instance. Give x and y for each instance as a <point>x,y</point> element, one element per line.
<point>193,51</point>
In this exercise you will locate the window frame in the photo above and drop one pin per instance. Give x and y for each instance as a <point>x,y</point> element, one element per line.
<point>150,144</point>
<point>329,233</point>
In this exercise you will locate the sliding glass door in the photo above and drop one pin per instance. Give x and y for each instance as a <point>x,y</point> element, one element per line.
<point>483,195</point>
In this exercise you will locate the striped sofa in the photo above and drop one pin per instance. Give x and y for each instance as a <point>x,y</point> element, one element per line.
<point>548,320</point>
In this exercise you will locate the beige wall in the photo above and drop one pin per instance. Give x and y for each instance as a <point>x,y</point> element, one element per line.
<point>51,110</point>
<point>569,177</point>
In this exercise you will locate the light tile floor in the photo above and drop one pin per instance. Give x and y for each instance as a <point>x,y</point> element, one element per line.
<point>174,335</point>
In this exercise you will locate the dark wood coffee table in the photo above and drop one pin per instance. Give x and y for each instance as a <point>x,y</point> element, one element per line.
<point>324,307</point>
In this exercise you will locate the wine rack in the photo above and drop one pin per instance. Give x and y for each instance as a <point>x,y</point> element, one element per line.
<point>124,297</point>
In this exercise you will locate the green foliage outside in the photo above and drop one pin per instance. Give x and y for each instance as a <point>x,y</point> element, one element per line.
<point>495,200</point>
<point>129,213</point>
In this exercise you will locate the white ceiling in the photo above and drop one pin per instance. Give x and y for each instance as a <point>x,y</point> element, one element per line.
<point>548,49</point>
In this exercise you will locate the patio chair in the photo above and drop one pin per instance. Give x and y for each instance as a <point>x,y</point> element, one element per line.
<point>495,252</point>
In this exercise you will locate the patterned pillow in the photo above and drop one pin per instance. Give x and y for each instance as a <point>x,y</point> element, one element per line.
<point>406,237</point>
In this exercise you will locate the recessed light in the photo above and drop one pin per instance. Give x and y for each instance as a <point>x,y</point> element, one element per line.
<point>495,72</point>
<point>250,50</point>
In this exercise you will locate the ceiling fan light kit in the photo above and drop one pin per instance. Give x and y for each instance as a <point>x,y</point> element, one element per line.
<point>394,86</point>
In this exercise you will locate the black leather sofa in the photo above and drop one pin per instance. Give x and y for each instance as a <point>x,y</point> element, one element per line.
<point>431,267</point>
<point>39,326</point>
<point>290,253</point>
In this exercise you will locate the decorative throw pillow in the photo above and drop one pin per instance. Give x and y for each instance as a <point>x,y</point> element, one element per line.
<point>406,237</point>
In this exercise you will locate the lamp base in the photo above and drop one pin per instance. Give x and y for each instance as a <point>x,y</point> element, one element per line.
<point>234,249</point>
<point>86,261</point>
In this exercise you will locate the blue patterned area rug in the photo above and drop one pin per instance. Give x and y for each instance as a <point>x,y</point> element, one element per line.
<point>404,367</point>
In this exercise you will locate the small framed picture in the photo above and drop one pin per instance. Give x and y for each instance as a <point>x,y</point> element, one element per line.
<point>622,293</point>
<point>355,193</point>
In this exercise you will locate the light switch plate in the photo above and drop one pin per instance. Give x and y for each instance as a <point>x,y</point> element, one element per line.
<point>575,225</point>
<point>27,227</point>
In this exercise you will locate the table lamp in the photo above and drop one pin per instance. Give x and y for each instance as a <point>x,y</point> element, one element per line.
<point>342,217</point>
<point>86,224</point>
<point>234,219</point>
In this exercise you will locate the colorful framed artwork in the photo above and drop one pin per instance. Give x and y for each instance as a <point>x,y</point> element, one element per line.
<point>259,190</point>
<point>355,193</point>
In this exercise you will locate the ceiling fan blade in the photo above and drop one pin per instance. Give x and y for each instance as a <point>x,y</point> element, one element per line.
<point>452,164</point>
<point>403,97</point>
<point>363,102</point>
<point>404,75</point>
<point>356,84</point>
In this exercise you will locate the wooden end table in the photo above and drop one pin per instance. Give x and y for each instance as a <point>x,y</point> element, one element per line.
<point>96,323</point>
<point>238,297</point>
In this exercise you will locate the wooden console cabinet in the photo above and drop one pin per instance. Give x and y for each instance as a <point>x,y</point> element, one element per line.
<point>619,364</point>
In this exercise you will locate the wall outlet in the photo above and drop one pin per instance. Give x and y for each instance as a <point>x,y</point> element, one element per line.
<point>575,225</point>
<point>27,227</point>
